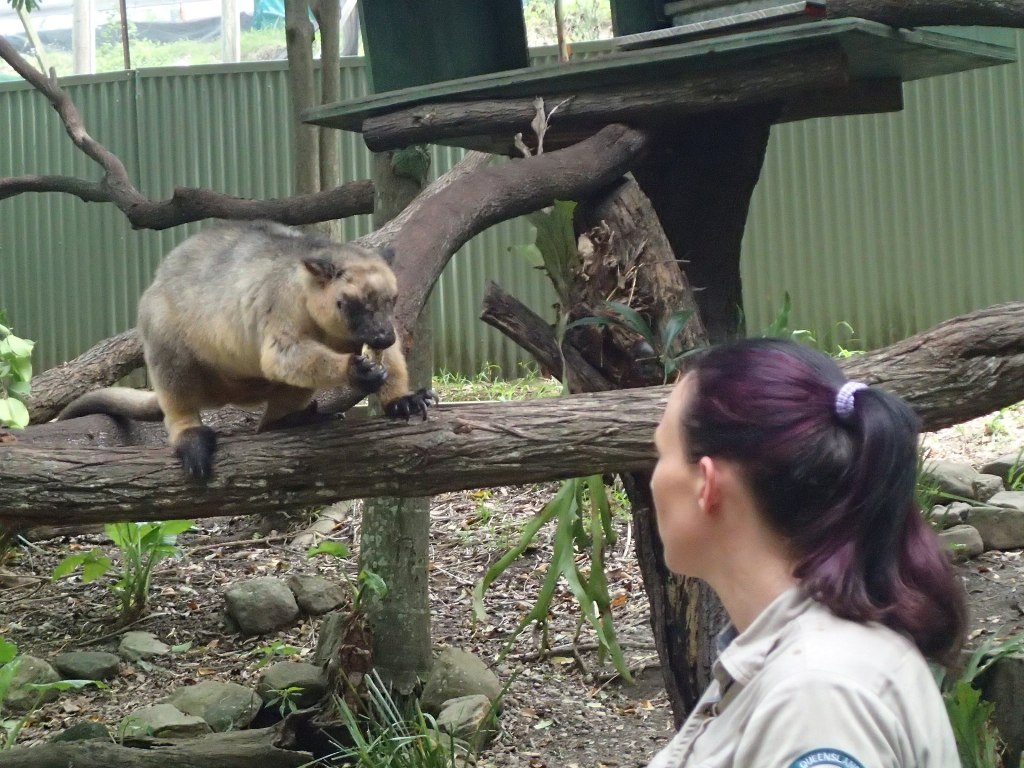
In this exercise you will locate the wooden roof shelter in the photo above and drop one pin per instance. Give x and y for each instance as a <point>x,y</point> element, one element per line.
<point>457,71</point>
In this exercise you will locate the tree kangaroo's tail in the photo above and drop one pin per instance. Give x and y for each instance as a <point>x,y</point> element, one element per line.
<point>115,401</point>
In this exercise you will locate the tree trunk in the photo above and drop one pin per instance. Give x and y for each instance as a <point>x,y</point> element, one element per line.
<point>239,749</point>
<point>305,143</point>
<point>700,181</point>
<point>328,17</point>
<point>395,533</point>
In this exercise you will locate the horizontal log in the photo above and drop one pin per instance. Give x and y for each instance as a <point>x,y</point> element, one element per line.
<point>726,86</point>
<point>237,749</point>
<point>459,447</point>
<point>963,368</point>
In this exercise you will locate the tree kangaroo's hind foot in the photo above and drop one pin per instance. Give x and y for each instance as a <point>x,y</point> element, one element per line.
<point>196,447</point>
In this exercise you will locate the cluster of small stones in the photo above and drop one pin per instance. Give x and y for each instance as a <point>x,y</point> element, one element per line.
<point>460,692</point>
<point>981,514</point>
<point>986,513</point>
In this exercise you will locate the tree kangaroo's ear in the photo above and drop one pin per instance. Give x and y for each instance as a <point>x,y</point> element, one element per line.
<point>388,254</point>
<point>322,270</point>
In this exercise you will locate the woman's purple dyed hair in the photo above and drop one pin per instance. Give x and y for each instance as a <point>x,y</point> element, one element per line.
<point>840,490</point>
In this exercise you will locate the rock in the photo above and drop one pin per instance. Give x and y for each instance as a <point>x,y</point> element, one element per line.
<point>963,542</point>
<point>30,670</point>
<point>1000,527</point>
<point>316,595</point>
<point>224,706</point>
<point>261,605</point>
<point>87,665</point>
<point>457,673</point>
<point>163,721</point>
<point>308,678</point>
<point>84,730</point>
<point>469,718</point>
<point>1011,499</point>
<point>1004,464</point>
<point>141,645</point>
<point>942,517</point>
<point>952,477</point>
<point>987,486</point>
<point>1002,685</point>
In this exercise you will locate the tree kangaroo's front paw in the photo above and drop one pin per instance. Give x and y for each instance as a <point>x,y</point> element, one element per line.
<point>413,403</point>
<point>368,375</point>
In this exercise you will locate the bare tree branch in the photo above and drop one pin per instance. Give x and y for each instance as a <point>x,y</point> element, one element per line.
<point>188,204</point>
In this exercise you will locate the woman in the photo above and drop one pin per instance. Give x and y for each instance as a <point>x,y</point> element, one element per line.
<point>791,492</point>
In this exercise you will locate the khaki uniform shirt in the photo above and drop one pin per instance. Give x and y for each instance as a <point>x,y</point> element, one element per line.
<point>802,688</point>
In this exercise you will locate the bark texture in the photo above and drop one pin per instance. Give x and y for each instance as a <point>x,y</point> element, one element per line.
<point>240,749</point>
<point>651,103</point>
<point>99,366</point>
<point>924,13</point>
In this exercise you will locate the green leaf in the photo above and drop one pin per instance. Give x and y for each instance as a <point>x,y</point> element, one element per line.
<point>374,583</point>
<point>22,368</point>
<point>20,347</point>
<point>176,527</point>
<point>13,412</point>
<point>633,320</point>
<point>95,567</point>
<point>8,651</point>
<point>19,388</point>
<point>68,565</point>
<point>673,327</point>
<point>64,685</point>
<point>333,548</point>
<point>556,241</point>
<point>549,512</point>
<point>591,320</point>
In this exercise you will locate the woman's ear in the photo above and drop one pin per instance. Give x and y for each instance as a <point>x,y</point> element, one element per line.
<point>709,492</point>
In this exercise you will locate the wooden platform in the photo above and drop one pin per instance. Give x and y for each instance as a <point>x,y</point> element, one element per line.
<point>874,54</point>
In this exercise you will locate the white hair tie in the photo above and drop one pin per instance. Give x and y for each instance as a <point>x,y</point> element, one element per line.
<point>844,398</point>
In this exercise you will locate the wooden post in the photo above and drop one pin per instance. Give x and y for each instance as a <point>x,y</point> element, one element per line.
<point>230,32</point>
<point>394,541</point>
<point>83,37</point>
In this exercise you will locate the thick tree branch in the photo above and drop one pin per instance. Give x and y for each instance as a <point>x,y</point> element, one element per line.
<point>188,204</point>
<point>924,13</point>
<point>99,366</point>
<point>463,446</point>
<point>436,226</point>
<point>963,368</point>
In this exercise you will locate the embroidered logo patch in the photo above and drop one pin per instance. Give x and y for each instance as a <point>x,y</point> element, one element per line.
<point>820,758</point>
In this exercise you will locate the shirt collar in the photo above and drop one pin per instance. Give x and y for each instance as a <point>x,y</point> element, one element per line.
<point>742,654</point>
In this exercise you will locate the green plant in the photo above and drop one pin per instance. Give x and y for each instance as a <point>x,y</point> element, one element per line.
<point>664,344</point>
<point>10,662</point>
<point>15,376</point>
<point>388,735</point>
<point>273,650</point>
<point>142,546</point>
<point>976,735</point>
<point>574,498</point>
<point>366,580</point>
<point>285,699</point>
<point>1015,475</point>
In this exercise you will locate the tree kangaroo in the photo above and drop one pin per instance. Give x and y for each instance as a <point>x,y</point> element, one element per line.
<point>257,312</point>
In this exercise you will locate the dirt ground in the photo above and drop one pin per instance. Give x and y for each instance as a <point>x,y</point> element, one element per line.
<point>562,709</point>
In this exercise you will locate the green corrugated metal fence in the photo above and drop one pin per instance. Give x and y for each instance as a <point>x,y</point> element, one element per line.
<point>889,222</point>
